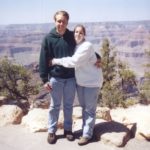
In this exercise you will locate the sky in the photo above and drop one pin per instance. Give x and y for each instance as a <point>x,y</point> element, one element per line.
<point>42,11</point>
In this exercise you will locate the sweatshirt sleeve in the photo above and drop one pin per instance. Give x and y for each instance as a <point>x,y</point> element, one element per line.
<point>80,57</point>
<point>43,62</point>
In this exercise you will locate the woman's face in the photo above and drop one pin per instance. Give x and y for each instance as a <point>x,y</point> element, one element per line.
<point>79,35</point>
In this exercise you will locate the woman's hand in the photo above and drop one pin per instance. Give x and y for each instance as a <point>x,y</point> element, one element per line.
<point>98,63</point>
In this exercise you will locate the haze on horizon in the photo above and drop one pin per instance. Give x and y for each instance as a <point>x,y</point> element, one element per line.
<point>42,11</point>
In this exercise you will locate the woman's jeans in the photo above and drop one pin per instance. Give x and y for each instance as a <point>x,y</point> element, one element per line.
<point>88,100</point>
<point>62,90</point>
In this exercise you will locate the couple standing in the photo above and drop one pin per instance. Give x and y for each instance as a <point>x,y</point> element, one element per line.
<point>62,51</point>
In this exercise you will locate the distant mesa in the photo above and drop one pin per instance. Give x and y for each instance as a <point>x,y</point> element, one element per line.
<point>130,39</point>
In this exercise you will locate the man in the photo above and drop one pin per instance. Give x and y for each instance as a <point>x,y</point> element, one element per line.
<point>60,81</point>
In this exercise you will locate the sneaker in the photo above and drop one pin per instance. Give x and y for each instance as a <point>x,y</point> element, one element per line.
<point>51,138</point>
<point>83,140</point>
<point>69,135</point>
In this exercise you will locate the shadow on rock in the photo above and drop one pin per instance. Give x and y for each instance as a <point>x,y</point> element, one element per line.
<point>110,127</point>
<point>114,127</point>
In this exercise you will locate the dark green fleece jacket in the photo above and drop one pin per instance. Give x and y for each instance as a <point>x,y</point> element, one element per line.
<point>56,46</point>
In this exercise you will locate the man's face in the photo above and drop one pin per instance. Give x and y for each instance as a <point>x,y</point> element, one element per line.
<point>61,24</point>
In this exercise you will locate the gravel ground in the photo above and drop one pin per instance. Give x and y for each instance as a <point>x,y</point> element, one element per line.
<point>16,137</point>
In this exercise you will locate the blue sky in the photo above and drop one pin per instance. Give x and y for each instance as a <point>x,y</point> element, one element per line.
<point>42,11</point>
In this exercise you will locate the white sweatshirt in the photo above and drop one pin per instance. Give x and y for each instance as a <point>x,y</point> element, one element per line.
<point>86,73</point>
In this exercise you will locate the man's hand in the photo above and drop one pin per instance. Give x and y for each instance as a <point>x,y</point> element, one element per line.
<point>98,63</point>
<point>47,86</point>
<point>50,63</point>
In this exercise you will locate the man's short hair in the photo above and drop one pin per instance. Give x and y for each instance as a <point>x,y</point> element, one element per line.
<point>64,13</point>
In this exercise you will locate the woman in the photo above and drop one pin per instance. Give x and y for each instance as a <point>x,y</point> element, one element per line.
<point>89,80</point>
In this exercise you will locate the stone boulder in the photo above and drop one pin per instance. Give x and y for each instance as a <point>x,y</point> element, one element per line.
<point>10,114</point>
<point>137,114</point>
<point>36,120</point>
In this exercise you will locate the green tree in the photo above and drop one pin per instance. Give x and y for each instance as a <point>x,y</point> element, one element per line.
<point>145,86</point>
<point>108,62</point>
<point>127,77</point>
<point>15,82</point>
<point>116,75</point>
<point>111,95</point>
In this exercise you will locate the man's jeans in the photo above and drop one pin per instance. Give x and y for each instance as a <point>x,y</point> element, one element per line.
<point>88,100</point>
<point>62,89</point>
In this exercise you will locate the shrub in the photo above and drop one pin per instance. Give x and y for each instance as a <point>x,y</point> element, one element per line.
<point>15,82</point>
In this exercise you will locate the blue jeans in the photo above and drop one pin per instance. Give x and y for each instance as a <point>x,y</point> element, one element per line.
<point>88,100</point>
<point>62,89</point>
